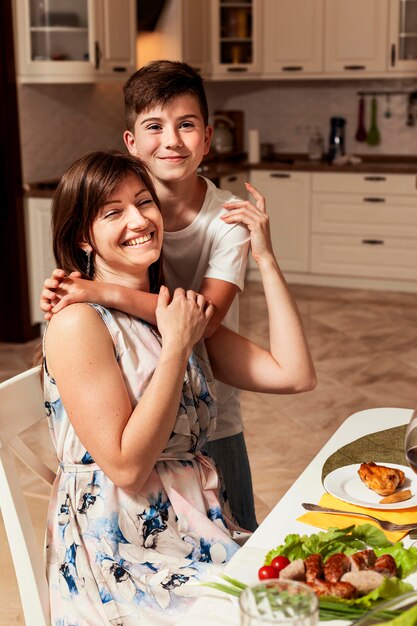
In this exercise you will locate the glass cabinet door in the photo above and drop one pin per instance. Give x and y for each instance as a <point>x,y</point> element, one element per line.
<point>403,35</point>
<point>59,30</point>
<point>236,34</point>
<point>235,39</point>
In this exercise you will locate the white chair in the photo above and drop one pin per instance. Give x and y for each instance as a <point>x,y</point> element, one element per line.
<point>22,406</point>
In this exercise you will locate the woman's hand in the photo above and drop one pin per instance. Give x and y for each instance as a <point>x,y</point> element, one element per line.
<point>182,320</point>
<point>60,290</point>
<point>255,218</point>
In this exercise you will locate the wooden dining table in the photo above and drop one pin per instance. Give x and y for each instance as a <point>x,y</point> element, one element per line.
<point>214,608</point>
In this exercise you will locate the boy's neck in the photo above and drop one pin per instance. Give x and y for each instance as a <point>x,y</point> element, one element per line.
<point>180,201</point>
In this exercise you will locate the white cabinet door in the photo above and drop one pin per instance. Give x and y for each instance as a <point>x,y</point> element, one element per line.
<point>403,36</point>
<point>356,36</point>
<point>235,183</point>
<point>236,39</point>
<point>293,37</point>
<point>116,38</point>
<point>74,42</point>
<point>287,197</point>
<point>39,250</point>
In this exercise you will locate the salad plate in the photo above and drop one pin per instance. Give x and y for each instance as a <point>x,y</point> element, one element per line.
<point>344,483</point>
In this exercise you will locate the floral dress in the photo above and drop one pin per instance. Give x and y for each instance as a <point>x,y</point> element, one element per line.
<point>116,558</point>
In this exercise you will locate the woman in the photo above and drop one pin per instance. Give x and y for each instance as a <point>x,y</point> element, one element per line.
<point>136,511</point>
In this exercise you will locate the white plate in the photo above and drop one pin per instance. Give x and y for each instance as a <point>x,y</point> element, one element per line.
<point>344,483</point>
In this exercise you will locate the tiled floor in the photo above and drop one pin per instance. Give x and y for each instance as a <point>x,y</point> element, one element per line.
<point>364,345</point>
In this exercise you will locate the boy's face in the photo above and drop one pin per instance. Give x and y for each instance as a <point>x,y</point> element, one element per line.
<point>171,140</point>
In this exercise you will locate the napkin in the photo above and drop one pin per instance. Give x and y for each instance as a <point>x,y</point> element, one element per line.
<point>327,520</point>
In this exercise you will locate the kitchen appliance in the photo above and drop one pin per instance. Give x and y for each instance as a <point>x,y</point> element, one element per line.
<point>336,138</point>
<point>236,119</point>
<point>223,140</point>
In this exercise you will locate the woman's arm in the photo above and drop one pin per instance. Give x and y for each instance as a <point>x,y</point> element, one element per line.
<point>287,367</point>
<point>60,290</point>
<point>125,441</point>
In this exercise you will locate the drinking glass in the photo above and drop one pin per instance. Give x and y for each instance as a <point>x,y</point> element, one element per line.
<point>411,442</point>
<point>274,601</point>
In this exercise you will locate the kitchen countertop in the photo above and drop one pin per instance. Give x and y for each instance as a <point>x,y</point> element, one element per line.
<point>214,168</point>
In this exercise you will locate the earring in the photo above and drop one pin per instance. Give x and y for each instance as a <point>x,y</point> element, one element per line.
<point>88,270</point>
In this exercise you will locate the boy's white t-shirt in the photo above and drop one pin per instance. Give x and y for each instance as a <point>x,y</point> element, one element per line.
<point>209,248</point>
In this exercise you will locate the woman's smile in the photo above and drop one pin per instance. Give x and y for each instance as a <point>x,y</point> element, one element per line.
<point>138,241</point>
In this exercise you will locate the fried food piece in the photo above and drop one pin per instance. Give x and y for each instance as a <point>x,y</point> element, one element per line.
<point>314,567</point>
<point>399,496</point>
<point>362,560</point>
<point>294,571</point>
<point>384,480</point>
<point>338,590</point>
<point>364,581</point>
<point>385,565</point>
<point>335,566</point>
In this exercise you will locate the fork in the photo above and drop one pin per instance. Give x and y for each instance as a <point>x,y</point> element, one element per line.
<point>383,523</point>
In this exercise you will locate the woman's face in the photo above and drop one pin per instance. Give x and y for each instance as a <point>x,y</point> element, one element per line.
<point>127,235</point>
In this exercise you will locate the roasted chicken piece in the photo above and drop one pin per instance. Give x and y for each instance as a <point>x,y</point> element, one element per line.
<point>314,567</point>
<point>384,480</point>
<point>385,565</point>
<point>338,590</point>
<point>335,566</point>
<point>362,560</point>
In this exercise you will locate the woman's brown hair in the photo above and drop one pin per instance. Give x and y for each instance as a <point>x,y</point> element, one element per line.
<point>82,191</point>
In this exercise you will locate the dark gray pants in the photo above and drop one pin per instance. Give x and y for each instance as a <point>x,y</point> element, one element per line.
<point>231,456</point>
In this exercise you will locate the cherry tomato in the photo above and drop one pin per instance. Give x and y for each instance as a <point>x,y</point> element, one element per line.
<point>279,562</point>
<point>267,571</point>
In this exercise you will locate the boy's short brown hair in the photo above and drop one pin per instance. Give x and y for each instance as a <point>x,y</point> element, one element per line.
<point>158,83</point>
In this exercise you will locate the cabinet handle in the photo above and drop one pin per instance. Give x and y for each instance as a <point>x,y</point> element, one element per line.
<point>374,199</point>
<point>373,242</point>
<point>375,179</point>
<point>393,54</point>
<point>354,67</point>
<point>237,69</point>
<point>292,68</point>
<point>231,179</point>
<point>97,55</point>
<point>280,175</point>
<point>119,69</point>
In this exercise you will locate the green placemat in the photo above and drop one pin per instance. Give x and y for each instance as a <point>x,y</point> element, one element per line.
<point>385,446</point>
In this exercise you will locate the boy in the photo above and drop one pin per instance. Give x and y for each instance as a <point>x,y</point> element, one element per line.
<point>167,128</point>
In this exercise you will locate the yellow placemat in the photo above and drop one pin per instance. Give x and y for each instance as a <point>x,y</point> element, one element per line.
<point>327,520</point>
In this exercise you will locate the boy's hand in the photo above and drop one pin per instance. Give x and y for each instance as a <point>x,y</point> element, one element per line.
<point>60,290</point>
<point>255,218</point>
<point>182,320</point>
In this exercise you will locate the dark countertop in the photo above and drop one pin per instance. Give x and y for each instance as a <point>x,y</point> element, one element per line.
<point>213,168</point>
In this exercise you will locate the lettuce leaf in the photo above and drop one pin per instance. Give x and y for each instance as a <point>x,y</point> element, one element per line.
<point>347,540</point>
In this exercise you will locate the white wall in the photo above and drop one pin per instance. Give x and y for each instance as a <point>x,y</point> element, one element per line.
<point>61,122</point>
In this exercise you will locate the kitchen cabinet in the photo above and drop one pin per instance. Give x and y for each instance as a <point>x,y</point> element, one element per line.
<point>39,250</point>
<point>355,36</point>
<point>403,36</point>
<point>235,183</point>
<point>77,41</point>
<point>181,34</point>
<point>287,197</point>
<point>293,37</point>
<point>365,226</point>
<point>236,36</point>
<point>317,38</point>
